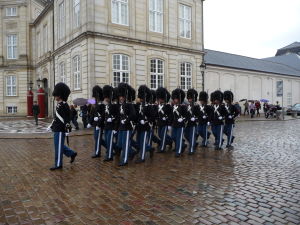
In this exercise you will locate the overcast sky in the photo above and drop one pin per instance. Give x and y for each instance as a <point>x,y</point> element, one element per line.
<point>255,28</point>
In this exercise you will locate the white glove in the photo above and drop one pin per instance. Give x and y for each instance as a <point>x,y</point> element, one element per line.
<point>96,119</point>
<point>89,126</point>
<point>220,117</point>
<point>230,117</point>
<point>97,128</point>
<point>114,131</point>
<point>204,117</point>
<point>142,122</point>
<point>109,120</point>
<point>193,119</point>
<point>49,129</point>
<point>123,121</point>
<point>164,118</point>
<point>208,123</point>
<point>180,120</point>
<point>67,134</point>
<point>169,128</point>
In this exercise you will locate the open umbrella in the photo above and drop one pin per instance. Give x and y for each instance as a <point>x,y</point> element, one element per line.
<point>80,101</point>
<point>92,101</point>
<point>242,100</point>
<point>264,100</point>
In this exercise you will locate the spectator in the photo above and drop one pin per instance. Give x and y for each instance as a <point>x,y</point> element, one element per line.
<point>265,107</point>
<point>84,115</point>
<point>36,112</point>
<point>238,107</point>
<point>258,107</point>
<point>74,116</point>
<point>246,104</point>
<point>252,109</point>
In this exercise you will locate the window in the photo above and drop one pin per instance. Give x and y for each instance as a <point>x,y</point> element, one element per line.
<point>61,20</point>
<point>186,76</point>
<point>38,44</point>
<point>45,40</point>
<point>120,69</point>
<point>62,72</point>
<point>120,12</point>
<point>11,109</point>
<point>157,73</point>
<point>12,46</point>
<point>12,11</point>
<point>11,86</point>
<point>185,21</point>
<point>76,13</point>
<point>156,15</point>
<point>76,73</point>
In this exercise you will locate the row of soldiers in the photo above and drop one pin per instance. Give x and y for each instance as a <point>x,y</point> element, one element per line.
<point>129,127</point>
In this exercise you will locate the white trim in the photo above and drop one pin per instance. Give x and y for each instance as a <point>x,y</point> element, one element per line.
<point>180,143</point>
<point>144,145</point>
<point>111,142</point>
<point>117,7</point>
<point>59,149</point>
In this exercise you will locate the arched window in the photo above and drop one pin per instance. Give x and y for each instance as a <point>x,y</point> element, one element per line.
<point>186,76</point>
<point>120,69</point>
<point>156,73</point>
<point>76,73</point>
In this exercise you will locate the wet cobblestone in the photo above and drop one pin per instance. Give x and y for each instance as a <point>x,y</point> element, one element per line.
<point>256,183</point>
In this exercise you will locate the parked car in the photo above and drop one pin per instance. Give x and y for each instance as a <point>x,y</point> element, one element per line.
<point>294,108</point>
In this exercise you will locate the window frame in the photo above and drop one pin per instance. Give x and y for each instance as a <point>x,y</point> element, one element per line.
<point>12,46</point>
<point>61,19</point>
<point>45,34</point>
<point>155,12</point>
<point>76,15</point>
<point>76,72</point>
<point>185,75</point>
<point>119,11</point>
<point>62,72</point>
<point>11,88</point>
<point>156,74</point>
<point>14,109</point>
<point>122,72</point>
<point>185,21</point>
<point>9,11</point>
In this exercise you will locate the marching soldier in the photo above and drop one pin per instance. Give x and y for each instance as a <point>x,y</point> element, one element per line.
<point>127,116</point>
<point>144,122</point>
<point>61,125</point>
<point>97,121</point>
<point>152,136</point>
<point>232,113</point>
<point>218,116</point>
<point>179,118</point>
<point>110,118</point>
<point>192,115</point>
<point>204,118</point>
<point>164,118</point>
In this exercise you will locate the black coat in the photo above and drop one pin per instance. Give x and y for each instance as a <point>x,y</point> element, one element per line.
<point>193,111</point>
<point>179,111</point>
<point>232,113</point>
<point>111,111</point>
<point>35,110</point>
<point>218,115</point>
<point>205,114</point>
<point>163,111</point>
<point>126,112</point>
<point>144,112</point>
<point>63,110</point>
<point>97,112</point>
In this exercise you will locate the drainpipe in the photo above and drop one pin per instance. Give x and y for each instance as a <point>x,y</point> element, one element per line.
<point>53,57</point>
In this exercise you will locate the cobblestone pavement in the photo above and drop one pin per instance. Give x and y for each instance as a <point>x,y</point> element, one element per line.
<point>256,183</point>
<point>23,126</point>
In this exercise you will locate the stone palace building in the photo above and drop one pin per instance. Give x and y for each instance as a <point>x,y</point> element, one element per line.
<point>153,42</point>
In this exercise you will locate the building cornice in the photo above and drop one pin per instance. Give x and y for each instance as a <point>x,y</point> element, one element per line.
<point>43,13</point>
<point>88,34</point>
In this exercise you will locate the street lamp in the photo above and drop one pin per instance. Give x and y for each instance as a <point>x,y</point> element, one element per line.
<point>202,69</point>
<point>30,85</point>
<point>39,81</point>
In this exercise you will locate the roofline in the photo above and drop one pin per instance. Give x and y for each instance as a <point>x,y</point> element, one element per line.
<point>237,68</point>
<point>44,12</point>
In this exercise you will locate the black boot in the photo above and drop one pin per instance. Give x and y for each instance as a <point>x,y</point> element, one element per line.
<point>73,157</point>
<point>56,168</point>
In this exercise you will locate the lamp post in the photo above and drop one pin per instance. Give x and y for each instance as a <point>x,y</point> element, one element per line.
<point>29,99</point>
<point>202,69</point>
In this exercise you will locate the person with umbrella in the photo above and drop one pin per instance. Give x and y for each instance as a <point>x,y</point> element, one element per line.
<point>61,125</point>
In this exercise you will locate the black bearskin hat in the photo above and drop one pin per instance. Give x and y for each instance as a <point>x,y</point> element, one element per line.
<point>178,94</point>
<point>203,96</point>
<point>108,92</point>
<point>153,97</point>
<point>131,94</point>
<point>212,96</point>
<point>162,93</point>
<point>61,90</point>
<point>228,95</point>
<point>115,94</point>
<point>144,93</point>
<point>123,90</point>
<point>218,95</point>
<point>97,93</point>
<point>193,94</point>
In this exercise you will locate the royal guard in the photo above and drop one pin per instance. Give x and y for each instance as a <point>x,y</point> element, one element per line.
<point>232,113</point>
<point>163,114</point>
<point>97,120</point>
<point>127,116</point>
<point>61,125</point>
<point>192,118</point>
<point>110,120</point>
<point>205,113</point>
<point>152,136</point>
<point>217,120</point>
<point>144,122</point>
<point>178,123</point>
